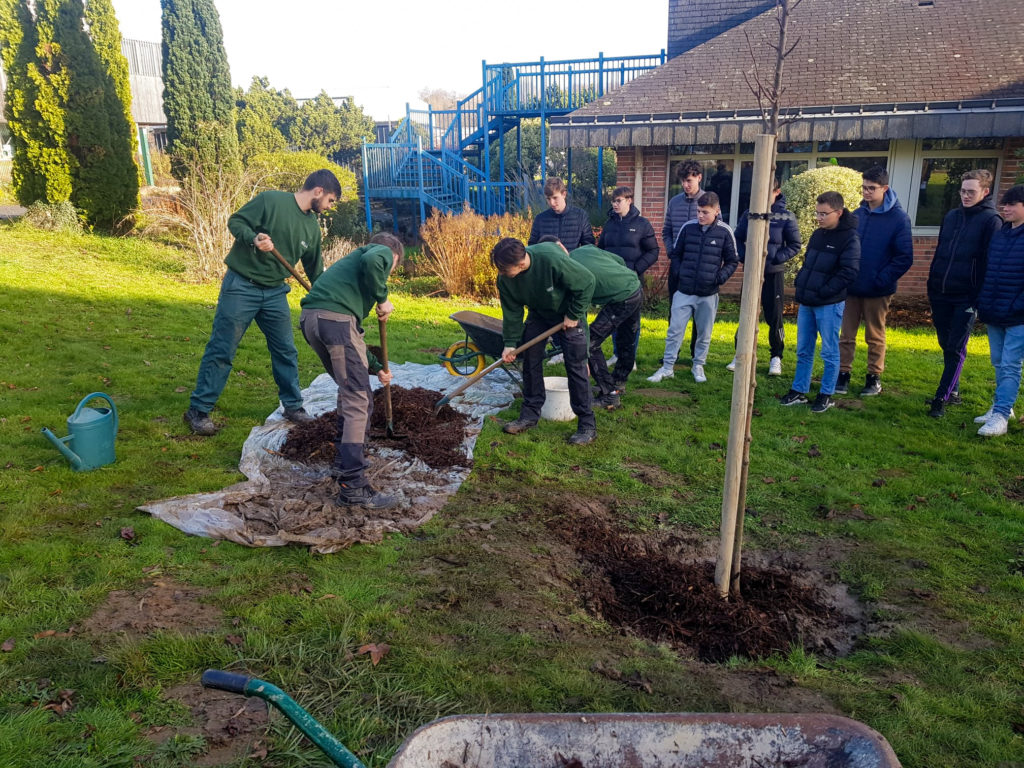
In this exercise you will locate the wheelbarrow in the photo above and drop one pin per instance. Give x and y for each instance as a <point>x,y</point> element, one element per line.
<point>618,740</point>
<point>483,339</point>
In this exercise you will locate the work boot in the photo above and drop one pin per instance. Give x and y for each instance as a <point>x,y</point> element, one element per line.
<point>872,385</point>
<point>610,401</point>
<point>297,415</point>
<point>200,423</point>
<point>518,426</point>
<point>938,408</point>
<point>364,496</point>
<point>583,437</point>
<point>843,383</point>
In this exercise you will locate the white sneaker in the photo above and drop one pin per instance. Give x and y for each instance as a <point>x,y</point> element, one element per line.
<point>988,415</point>
<point>775,366</point>
<point>994,427</point>
<point>731,366</point>
<point>556,359</point>
<point>612,361</point>
<point>661,374</point>
<point>698,374</point>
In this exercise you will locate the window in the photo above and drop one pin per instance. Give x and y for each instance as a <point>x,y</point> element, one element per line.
<point>940,163</point>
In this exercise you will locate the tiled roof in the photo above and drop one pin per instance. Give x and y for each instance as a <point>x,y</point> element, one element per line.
<point>692,22</point>
<point>848,53</point>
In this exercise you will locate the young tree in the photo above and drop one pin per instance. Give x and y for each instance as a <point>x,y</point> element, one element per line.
<point>334,132</point>
<point>42,165</point>
<point>198,98</point>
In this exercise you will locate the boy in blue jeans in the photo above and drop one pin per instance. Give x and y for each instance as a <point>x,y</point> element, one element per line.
<point>830,267</point>
<point>1001,307</point>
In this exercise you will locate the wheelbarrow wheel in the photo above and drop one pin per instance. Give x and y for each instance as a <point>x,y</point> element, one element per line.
<point>463,358</point>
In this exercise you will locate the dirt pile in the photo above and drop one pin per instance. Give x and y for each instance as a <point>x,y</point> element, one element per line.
<point>652,588</point>
<point>436,440</point>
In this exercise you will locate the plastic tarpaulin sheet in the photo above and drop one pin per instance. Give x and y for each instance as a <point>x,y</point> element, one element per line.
<point>285,502</point>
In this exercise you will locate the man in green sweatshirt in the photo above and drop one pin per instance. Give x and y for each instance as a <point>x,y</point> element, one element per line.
<point>617,292</point>
<point>543,279</point>
<point>254,289</point>
<point>331,321</point>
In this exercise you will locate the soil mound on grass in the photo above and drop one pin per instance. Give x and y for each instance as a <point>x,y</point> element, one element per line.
<point>163,605</point>
<point>658,590</point>
<point>436,440</point>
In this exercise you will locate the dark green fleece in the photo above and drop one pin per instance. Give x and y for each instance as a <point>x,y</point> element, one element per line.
<point>613,280</point>
<point>296,236</point>
<point>554,285</point>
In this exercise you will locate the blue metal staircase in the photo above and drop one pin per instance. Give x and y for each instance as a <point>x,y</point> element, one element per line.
<point>442,159</point>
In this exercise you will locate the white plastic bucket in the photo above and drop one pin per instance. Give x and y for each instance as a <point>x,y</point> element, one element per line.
<point>556,406</point>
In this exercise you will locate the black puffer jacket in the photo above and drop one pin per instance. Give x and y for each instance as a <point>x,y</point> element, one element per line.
<point>830,264</point>
<point>571,227</point>
<point>1001,298</point>
<point>783,237</point>
<point>958,266</point>
<point>631,237</point>
<point>702,259</point>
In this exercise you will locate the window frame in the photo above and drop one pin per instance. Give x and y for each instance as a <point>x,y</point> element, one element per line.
<point>920,155</point>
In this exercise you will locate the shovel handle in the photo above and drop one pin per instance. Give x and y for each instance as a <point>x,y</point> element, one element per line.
<point>382,326</point>
<point>518,350</point>
<point>290,268</point>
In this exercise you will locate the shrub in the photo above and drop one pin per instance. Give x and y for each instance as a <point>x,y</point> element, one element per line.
<point>288,171</point>
<point>802,191</point>
<point>55,217</point>
<point>457,249</point>
<point>347,221</point>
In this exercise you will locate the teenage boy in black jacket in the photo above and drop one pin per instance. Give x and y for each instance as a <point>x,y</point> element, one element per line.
<point>956,274</point>
<point>830,266</point>
<point>569,223</point>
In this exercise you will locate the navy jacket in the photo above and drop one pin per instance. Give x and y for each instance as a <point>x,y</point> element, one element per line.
<point>830,264</point>
<point>702,259</point>
<point>680,209</point>
<point>783,237</point>
<point>1001,299</point>
<point>886,247</point>
<point>958,266</point>
<point>571,226</point>
<point>631,237</point>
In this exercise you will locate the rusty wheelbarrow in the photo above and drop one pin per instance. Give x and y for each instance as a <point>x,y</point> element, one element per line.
<point>682,740</point>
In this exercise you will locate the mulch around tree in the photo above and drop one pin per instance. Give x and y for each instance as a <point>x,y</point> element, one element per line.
<point>649,587</point>
<point>436,440</point>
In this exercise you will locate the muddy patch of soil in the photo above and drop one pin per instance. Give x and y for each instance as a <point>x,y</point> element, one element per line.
<point>436,440</point>
<point>656,589</point>
<point>162,606</point>
<point>232,726</point>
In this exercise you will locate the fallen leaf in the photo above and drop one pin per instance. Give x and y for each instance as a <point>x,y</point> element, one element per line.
<point>56,492</point>
<point>106,346</point>
<point>715,447</point>
<point>25,419</point>
<point>128,533</point>
<point>920,499</point>
<point>8,645</point>
<point>794,478</point>
<point>146,362</point>
<point>377,651</point>
<point>328,596</point>
<point>45,633</point>
<point>799,438</point>
<point>767,480</point>
<point>181,389</point>
<point>878,482</point>
<point>234,640</point>
<point>813,452</point>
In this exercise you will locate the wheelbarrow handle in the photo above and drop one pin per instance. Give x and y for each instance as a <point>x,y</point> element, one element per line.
<point>518,350</point>
<point>305,722</point>
<point>290,268</point>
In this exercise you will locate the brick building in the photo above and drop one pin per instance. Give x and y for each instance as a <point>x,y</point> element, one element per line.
<point>927,88</point>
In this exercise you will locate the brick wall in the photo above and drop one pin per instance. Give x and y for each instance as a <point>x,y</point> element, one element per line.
<point>652,206</point>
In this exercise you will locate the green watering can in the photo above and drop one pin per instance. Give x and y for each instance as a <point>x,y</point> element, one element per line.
<point>90,443</point>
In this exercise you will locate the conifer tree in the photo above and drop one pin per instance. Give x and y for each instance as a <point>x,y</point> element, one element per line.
<point>42,165</point>
<point>264,117</point>
<point>198,98</point>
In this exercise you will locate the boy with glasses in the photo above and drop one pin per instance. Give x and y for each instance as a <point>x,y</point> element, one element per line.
<point>830,267</point>
<point>955,276</point>
<point>887,252</point>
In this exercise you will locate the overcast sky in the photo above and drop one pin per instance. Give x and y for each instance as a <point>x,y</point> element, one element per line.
<point>384,52</point>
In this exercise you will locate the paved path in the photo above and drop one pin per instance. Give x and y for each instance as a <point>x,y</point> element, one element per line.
<point>11,211</point>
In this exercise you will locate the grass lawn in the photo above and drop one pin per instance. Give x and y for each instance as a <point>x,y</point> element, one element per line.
<point>482,609</point>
